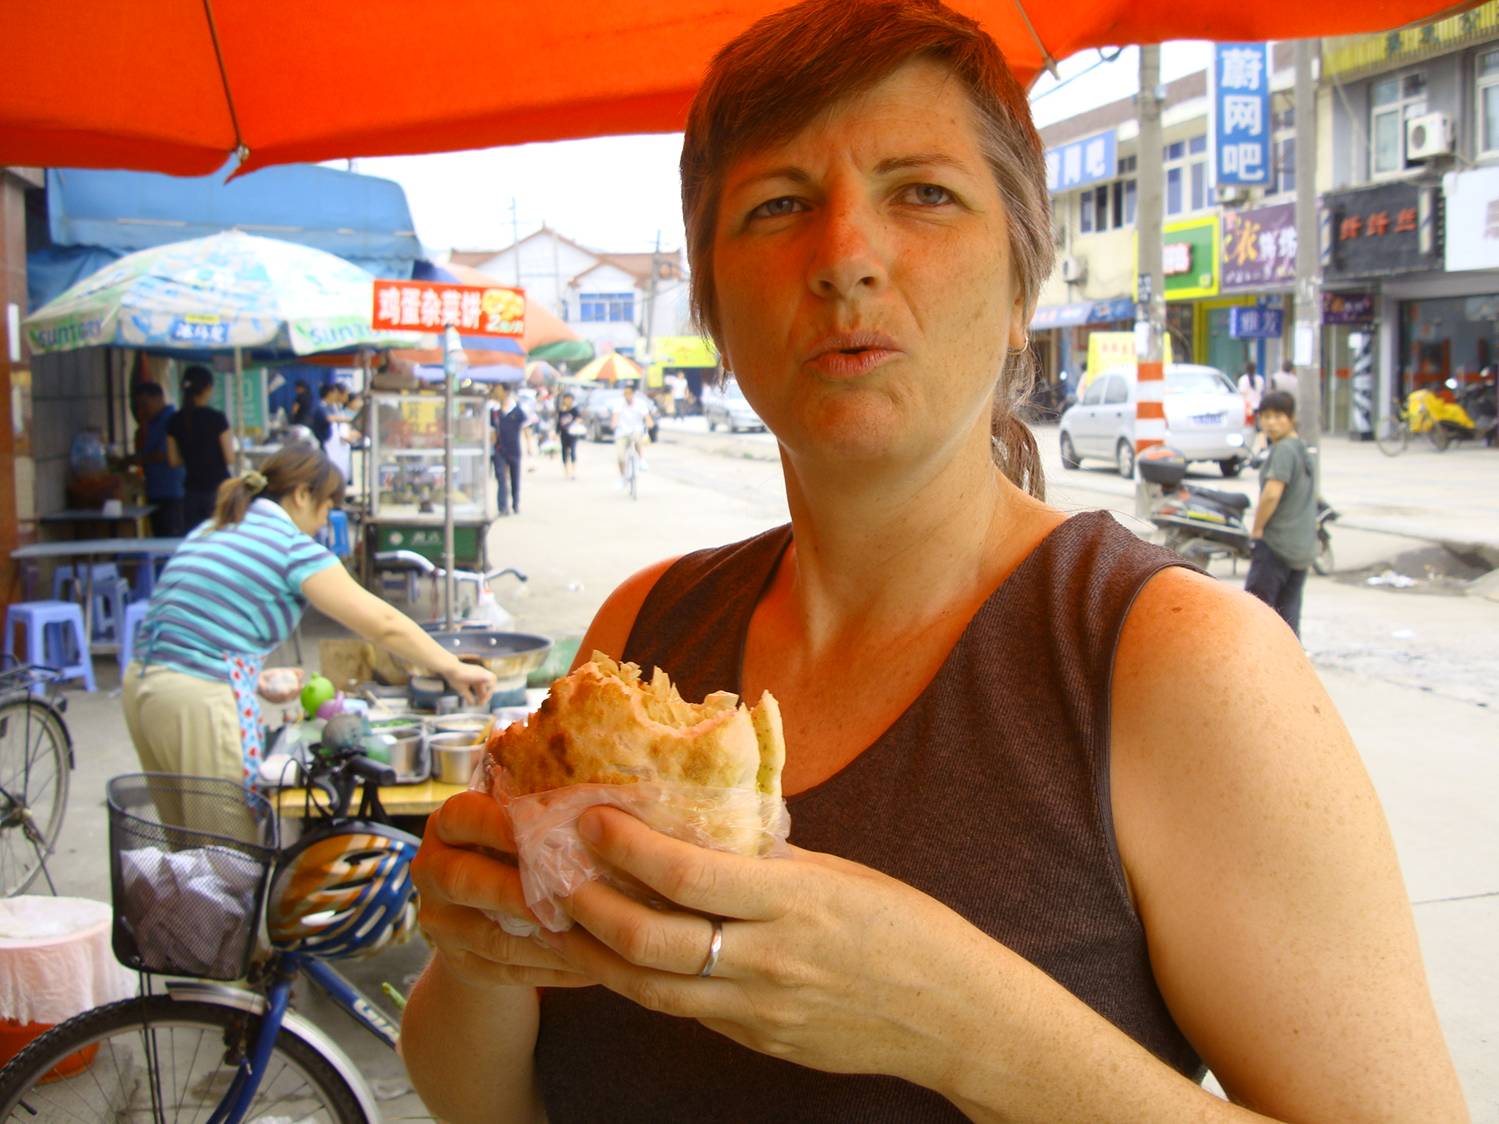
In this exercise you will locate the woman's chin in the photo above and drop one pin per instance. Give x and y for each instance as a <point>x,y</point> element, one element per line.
<point>848,434</point>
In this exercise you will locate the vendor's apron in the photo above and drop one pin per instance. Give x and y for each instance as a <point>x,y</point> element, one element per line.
<point>244,677</point>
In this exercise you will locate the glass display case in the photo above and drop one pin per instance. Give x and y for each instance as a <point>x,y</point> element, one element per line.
<point>406,482</point>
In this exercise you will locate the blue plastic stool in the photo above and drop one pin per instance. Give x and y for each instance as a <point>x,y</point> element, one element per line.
<point>135,616</point>
<point>54,636</point>
<point>335,536</point>
<point>77,575</point>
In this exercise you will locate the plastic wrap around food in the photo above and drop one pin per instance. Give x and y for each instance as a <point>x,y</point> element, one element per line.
<point>555,863</point>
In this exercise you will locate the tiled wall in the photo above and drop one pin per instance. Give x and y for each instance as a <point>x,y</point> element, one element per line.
<point>69,394</point>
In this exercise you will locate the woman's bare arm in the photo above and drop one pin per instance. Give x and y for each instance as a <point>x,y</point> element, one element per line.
<point>1280,931</point>
<point>174,452</point>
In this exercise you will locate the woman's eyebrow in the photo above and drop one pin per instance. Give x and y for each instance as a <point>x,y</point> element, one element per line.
<point>798,176</point>
<point>920,160</point>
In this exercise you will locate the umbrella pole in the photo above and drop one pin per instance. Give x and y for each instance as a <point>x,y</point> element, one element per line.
<point>449,377</point>
<point>232,399</point>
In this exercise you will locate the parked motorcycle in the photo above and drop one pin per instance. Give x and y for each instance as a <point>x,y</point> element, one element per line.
<point>1478,400</point>
<point>1202,523</point>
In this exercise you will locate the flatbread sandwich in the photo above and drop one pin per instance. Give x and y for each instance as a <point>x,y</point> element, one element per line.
<point>605,724</point>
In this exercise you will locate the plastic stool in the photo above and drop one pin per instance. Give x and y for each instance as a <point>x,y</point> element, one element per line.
<point>335,536</point>
<point>51,625</point>
<point>110,601</point>
<point>64,575</point>
<point>135,616</point>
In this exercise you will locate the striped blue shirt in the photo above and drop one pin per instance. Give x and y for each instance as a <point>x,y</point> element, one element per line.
<point>235,591</point>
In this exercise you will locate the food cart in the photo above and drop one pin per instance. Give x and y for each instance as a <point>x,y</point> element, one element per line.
<point>405,482</point>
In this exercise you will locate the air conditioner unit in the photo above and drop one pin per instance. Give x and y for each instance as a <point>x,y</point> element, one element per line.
<point>1074,270</point>
<point>1232,194</point>
<point>1427,136</point>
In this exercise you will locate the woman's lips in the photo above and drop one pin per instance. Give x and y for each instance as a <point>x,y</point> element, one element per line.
<point>852,362</point>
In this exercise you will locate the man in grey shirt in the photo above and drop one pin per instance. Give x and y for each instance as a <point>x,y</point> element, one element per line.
<point>1285,522</point>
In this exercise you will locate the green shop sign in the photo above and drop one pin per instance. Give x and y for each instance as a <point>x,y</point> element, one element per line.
<point>1189,259</point>
<point>427,541</point>
<point>250,416</point>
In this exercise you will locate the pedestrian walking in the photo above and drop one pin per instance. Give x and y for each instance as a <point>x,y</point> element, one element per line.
<point>1285,379</point>
<point>570,430</point>
<point>509,423</point>
<point>1251,386</point>
<point>199,441</point>
<point>164,480</point>
<point>1285,521</point>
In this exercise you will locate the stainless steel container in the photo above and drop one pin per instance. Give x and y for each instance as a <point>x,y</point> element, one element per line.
<point>407,751</point>
<point>472,724</point>
<point>454,757</point>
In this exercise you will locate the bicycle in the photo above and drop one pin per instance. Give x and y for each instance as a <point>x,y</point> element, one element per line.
<point>36,759</point>
<point>1392,433</point>
<point>203,1049</point>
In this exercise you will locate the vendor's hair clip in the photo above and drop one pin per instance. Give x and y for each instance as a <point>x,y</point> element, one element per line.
<point>254,481</point>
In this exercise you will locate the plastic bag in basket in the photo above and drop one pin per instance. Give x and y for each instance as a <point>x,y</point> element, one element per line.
<point>706,773</point>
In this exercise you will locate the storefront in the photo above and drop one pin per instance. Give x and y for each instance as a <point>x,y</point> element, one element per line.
<point>1386,240</point>
<point>1190,261</point>
<point>1059,336</point>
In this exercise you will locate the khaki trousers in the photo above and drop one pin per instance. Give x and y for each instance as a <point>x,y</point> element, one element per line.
<point>182,724</point>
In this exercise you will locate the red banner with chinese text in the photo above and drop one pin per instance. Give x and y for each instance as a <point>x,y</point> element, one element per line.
<point>427,306</point>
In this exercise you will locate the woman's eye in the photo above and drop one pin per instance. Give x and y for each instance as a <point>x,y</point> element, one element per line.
<point>929,194</point>
<point>774,208</point>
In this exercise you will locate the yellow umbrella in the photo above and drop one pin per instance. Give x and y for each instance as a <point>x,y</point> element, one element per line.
<point>610,368</point>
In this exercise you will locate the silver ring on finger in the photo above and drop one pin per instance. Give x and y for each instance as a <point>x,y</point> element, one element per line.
<point>715,947</point>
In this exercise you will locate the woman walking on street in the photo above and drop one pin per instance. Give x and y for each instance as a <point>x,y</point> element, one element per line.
<point>570,430</point>
<point>232,594</point>
<point>199,440</point>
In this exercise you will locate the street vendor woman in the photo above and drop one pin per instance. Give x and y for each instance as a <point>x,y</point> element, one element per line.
<point>231,594</point>
<point>1071,819</point>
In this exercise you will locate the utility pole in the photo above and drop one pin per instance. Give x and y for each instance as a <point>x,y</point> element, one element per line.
<point>1307,339</point>
<point>515,240</point>
<point>1150,307</point>
<point>648,329</point>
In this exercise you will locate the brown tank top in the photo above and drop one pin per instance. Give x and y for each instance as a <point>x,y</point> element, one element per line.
<point>990,793</point>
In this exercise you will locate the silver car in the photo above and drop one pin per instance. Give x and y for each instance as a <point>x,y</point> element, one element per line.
<point>727,407</point>
<point>1205,419</point>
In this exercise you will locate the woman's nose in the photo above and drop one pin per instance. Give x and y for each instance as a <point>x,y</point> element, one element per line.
<point>847,259</point>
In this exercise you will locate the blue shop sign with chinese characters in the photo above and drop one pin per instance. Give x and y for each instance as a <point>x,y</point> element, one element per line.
<point>1241,115</point>
<point>1081,163</point>
<point>1249,323</point>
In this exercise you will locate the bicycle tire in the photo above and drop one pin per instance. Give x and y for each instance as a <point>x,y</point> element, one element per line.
<point>296,1074</point>
<point>1438,435</point>
<point>35,763</point>
<point>1391,435</point>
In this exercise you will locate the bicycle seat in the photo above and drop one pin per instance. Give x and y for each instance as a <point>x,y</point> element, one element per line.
<point>1232,501</point>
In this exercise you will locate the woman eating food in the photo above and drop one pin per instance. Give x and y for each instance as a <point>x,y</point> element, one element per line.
<point>1070,820</point>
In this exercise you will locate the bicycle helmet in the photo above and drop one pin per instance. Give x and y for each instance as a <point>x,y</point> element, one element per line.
<point>344,893</point>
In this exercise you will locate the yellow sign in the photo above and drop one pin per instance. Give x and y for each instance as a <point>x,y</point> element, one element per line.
<point>679,351</point>
<point>1114,349</point>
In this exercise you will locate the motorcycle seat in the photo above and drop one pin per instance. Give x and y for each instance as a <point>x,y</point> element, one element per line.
<point>1232,501</point>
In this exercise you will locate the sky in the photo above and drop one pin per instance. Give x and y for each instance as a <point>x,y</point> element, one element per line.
<point>620,193</point>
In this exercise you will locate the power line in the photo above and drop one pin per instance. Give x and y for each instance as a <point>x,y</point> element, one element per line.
<point>1102,59</point>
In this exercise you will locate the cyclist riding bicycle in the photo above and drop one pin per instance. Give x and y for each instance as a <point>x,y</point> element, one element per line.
<point>632,418</point>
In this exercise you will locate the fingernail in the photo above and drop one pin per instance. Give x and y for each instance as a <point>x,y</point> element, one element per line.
<point>589,828</point>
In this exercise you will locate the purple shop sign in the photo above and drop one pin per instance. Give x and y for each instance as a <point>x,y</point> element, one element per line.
<point>1347,308</point>
<point>1259,247</point>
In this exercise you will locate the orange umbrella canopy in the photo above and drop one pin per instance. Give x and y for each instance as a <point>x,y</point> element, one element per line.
<point>177,85</point>
<point>612,368</point>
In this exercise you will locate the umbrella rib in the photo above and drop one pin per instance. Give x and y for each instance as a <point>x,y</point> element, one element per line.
<point>1046,60</point>
<point>240,149</point>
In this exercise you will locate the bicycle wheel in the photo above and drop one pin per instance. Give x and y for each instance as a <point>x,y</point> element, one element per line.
<point>34,764</point>
<point>1438,435</point>
<point>160,1059</point>
<point>1391,435</point>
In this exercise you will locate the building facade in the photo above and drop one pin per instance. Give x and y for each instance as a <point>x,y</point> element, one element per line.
<point>616,301</point>
<point>1408,187</point>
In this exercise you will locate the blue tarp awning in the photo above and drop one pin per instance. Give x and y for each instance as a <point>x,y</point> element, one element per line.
<point>94,217</point>
<point>1084,312</point>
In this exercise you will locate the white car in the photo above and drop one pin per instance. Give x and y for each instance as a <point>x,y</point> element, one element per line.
<point>1205,419</point>
<point>727,407</point>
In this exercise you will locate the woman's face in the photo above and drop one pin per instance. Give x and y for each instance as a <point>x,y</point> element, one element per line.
<point>863,275</point>
<point>309,513</point>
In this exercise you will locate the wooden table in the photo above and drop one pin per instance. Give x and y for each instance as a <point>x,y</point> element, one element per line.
<point>398,799</point>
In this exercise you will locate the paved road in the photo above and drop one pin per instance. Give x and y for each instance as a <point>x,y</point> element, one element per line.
<point>1412,673</point>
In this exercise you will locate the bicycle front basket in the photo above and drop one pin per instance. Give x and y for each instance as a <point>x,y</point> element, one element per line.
<point>189,859</point>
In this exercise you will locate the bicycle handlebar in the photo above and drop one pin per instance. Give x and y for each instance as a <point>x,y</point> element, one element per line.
<point>413,560</point>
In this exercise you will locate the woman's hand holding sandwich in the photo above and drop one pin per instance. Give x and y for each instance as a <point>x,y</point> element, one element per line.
<point>461,875</point>
<point>824,962</point>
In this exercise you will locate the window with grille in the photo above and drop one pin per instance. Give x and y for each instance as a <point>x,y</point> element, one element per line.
<point>1393,100</point>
